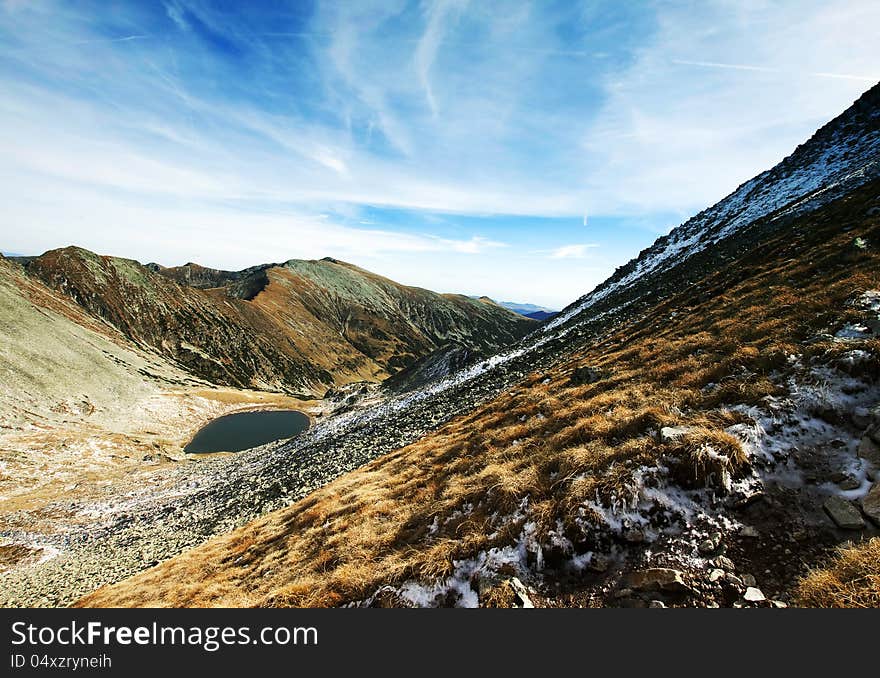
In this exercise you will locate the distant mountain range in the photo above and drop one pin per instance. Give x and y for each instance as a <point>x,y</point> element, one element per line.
<point>532,311</point>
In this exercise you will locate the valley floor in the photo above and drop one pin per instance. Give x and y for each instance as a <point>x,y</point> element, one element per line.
<point>60,463</point>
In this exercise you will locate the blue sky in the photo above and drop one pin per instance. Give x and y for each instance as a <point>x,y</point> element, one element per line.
<point>517,149</point>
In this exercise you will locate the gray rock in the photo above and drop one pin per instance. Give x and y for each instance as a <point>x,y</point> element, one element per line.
<point>749,532</point>
<point>716,574</point>
<point>657,604</point>
<point>749,580</point>
<point>871,503</point>
<point>844,514</point>
<point>754,595</point>
<point>849,483</point>
<point>658,579</point>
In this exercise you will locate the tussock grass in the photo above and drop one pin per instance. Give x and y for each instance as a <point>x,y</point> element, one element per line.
<point>546,448</point>
<point>850,579</point>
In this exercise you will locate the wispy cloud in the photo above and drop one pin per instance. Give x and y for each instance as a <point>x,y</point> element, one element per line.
<point>578,251</point>
<point>176,14</point>
<point>438,14</point>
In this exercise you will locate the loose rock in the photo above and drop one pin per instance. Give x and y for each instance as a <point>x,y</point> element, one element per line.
<point>723,563</point>
<point>871,503</point>
<point>754,595</point>
<point>844,514</point>
<point>849,483</point>
<point>658,579</point>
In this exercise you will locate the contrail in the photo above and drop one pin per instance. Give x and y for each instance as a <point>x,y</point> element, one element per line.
<point>768,69</point>
<point>125,38</point>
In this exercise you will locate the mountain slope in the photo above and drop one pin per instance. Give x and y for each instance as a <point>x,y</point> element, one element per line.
<point>297,327</point>
<point>52,352</point>
<point>841,156</point>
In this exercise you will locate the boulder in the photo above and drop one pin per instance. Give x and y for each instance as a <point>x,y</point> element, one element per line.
<point>733,580</point>
<point>871,503</point>
<point>658,579</point>
<point>844,514</point>
<point>749,532</point>
<point>633,535</point>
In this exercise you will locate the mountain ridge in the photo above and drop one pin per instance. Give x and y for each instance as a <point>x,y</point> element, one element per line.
<point>299,326</point>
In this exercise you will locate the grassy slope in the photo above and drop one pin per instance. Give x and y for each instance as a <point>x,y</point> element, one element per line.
<point>457,492</point>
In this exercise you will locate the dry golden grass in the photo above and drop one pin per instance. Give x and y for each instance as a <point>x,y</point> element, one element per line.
<point>411,513</point>
<point>851,579</point>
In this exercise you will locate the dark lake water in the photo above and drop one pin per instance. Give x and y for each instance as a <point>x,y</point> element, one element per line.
<point>244,430</point>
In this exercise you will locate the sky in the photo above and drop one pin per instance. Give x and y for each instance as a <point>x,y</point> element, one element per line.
<point>521,150</point>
